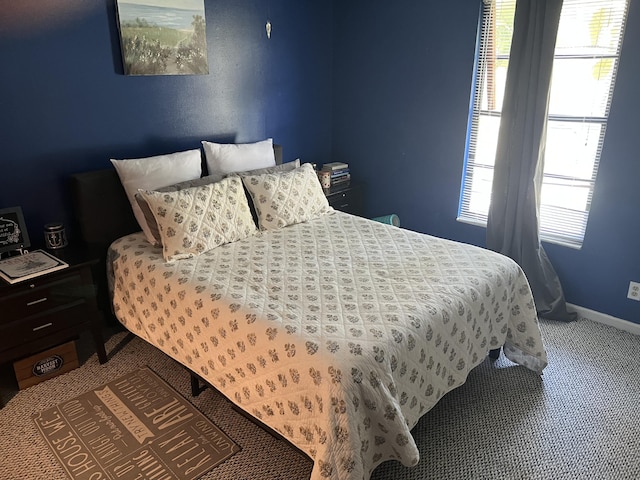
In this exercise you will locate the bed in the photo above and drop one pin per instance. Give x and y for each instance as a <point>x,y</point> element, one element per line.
<point>337,332</point>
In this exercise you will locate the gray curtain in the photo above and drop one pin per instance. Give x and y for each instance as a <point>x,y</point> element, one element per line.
<point>512,227</point>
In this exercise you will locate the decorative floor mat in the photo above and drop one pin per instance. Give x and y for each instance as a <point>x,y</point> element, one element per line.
<point>136,426</point>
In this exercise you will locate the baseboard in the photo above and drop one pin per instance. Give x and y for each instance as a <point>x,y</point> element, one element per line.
<point>605,319</point>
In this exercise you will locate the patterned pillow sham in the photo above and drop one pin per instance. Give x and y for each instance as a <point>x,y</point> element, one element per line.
<point>152,225</point>
<point>194,220</point>
<point>283,167</point>
<point>286,198</point>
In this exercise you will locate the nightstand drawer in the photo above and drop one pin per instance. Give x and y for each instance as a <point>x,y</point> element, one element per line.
<point>38,326</point>
<point>346,199</point>
<point>340,200</point>
<point>41,296</point>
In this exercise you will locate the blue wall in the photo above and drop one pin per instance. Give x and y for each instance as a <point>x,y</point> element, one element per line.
<point>66,107</point>
<point>401,97</point>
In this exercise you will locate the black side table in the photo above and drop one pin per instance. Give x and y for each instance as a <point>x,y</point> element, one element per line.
<point>46,311</point>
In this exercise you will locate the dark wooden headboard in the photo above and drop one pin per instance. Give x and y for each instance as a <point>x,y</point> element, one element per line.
<point>102,214</point>
<point>101,207</point>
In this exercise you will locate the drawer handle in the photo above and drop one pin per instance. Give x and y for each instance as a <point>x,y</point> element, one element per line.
<point>44,299</point>
<point>42,326</point>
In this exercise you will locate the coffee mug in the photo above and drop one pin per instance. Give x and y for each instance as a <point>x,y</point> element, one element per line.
<point>325,179</point>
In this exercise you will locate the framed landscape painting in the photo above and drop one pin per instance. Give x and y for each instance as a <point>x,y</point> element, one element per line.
<point>163,37</point>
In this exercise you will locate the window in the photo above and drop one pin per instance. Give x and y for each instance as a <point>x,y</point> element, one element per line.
<point>584,70</point>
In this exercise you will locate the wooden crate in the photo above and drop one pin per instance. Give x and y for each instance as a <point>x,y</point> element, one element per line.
<point>44,365</point>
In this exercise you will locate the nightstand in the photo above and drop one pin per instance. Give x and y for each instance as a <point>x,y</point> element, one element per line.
<point>347,198</point>
<point>48,310</point>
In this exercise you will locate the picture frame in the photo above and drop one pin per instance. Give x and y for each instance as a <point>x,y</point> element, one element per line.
<point>13,230</point>
<point>29,265</point>
<point>163,37</point>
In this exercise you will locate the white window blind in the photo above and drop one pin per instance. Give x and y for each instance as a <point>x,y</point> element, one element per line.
<point>584,70</point>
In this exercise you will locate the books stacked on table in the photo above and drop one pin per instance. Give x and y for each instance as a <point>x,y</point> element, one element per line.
<point>339,173</point>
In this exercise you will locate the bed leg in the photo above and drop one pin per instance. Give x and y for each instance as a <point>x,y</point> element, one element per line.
<point>196,388</point>
<point>494,354</point>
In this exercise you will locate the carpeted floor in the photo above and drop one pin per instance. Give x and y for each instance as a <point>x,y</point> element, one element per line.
<point>578,421</point>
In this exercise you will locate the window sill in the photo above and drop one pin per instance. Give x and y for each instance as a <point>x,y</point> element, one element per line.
<point>546,239</point>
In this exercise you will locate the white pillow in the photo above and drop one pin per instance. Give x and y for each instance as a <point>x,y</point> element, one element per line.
<point>286,198</point>
<point>156,172</point>
<point>194,220</point>
<point>224,158</point>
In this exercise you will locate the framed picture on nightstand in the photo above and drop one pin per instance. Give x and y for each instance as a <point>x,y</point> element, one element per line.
<point>13,230</point>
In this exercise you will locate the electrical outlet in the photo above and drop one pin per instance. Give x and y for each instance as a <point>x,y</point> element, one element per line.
<point>634,291</point>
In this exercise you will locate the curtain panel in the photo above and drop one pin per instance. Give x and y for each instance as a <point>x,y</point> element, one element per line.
<point>513,220</point>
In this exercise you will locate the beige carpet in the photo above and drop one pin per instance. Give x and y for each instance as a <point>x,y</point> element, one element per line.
<point>578,421</point>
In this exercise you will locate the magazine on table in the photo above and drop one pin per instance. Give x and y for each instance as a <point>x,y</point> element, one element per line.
<point>29,265</point>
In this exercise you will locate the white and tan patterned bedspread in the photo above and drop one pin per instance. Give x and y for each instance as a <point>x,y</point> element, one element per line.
<point>339,333</point>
